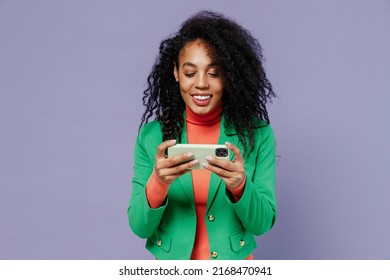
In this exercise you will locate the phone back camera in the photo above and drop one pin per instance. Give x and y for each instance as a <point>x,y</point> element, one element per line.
<point>221,152</point>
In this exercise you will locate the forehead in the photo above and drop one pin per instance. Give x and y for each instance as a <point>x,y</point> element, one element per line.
<point>196,52</point>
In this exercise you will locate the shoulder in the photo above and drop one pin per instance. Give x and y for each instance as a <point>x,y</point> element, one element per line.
<point>261,130</point>
<point>150,132</point>
<point>261,126</point>
<point>263,133</point>
<point>150,127</point>
<point>258,123</point>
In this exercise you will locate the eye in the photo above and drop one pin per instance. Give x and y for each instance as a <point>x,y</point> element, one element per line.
<point>189,75</point>
<point>214,74</point>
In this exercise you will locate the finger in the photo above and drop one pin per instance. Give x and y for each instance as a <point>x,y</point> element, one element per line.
<point>179,163</point>
<point>236,151</point>
<point>223,163</point>
<point>171,178</point>
<point>179,169</point>
<point>177,160</point>
<point>222,172</point>
<point>163,146</point>
<point>232,179</point>
<point>170,174</point>
<point>230,166</point>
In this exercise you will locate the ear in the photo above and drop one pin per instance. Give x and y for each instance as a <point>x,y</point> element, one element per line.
<point>175,72</point>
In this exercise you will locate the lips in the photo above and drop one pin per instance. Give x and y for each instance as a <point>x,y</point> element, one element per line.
<point>201,99</point>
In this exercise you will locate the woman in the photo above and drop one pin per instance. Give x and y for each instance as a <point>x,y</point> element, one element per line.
<point>207,86</point>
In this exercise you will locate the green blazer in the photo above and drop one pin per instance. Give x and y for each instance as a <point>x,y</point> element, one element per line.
<point>170,229</point>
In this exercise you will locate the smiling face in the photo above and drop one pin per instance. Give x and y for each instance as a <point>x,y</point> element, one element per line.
<point>199,78</point>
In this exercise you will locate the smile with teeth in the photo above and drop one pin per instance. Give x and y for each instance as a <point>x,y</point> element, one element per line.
<point>202,97</point>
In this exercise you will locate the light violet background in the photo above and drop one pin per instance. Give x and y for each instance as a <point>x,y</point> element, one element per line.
<point>71,80</point>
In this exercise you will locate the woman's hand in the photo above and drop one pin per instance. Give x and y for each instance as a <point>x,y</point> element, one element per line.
<point>168,169</point>
<point>231,172</point>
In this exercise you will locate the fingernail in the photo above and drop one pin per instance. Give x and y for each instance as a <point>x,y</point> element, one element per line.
<point>228,143</point>
<point>190,154</point>
<point>209,158</point>
<point>173,141</point>
<point>205,165</point>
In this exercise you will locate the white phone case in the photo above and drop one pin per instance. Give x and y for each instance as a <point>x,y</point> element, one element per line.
<point>200,151</point>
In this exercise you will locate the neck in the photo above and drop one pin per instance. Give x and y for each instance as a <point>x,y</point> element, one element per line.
<point>205,119</point>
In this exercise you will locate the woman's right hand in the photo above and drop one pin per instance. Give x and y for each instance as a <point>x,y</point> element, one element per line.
<point>170,168</point>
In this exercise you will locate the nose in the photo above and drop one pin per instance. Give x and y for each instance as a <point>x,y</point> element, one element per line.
<point>201,81</point>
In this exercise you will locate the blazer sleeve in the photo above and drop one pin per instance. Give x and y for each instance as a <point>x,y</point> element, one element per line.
<point>257,207</point>
<point>143,219</point>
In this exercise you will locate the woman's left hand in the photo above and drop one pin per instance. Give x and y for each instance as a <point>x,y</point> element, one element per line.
<point>231,172</point>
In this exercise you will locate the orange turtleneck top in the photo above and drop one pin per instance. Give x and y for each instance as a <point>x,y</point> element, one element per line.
<point>201,129</point>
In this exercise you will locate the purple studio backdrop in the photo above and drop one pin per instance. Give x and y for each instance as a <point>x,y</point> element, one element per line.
<point>72,75</point>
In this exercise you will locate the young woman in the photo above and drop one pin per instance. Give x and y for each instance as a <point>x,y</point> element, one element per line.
<point>207,86</point>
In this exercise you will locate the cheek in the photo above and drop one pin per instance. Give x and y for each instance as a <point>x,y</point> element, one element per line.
<point>185,85</point>
<point>218,87</point>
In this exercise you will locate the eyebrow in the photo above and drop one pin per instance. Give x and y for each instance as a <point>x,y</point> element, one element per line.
<point>193,65</point>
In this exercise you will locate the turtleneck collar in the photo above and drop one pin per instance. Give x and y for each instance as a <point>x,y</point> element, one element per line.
<point>212,117</point>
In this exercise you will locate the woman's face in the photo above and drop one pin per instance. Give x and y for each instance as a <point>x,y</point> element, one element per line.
<point>199,78</point>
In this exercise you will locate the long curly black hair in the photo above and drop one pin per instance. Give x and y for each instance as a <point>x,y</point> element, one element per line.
<point>240,59</point>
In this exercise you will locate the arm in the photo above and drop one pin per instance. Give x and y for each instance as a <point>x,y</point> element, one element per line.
<point>143,219</point>
<point>251,194</point>
<point>257,206</point>
<point>153,174</point>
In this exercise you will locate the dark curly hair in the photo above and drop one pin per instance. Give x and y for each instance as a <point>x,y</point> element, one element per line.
<point>240,59</point>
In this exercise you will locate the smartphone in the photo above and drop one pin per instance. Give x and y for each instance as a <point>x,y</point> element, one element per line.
<point>200,151</point>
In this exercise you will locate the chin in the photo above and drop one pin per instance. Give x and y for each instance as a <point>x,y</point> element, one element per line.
<point>201,111</point>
